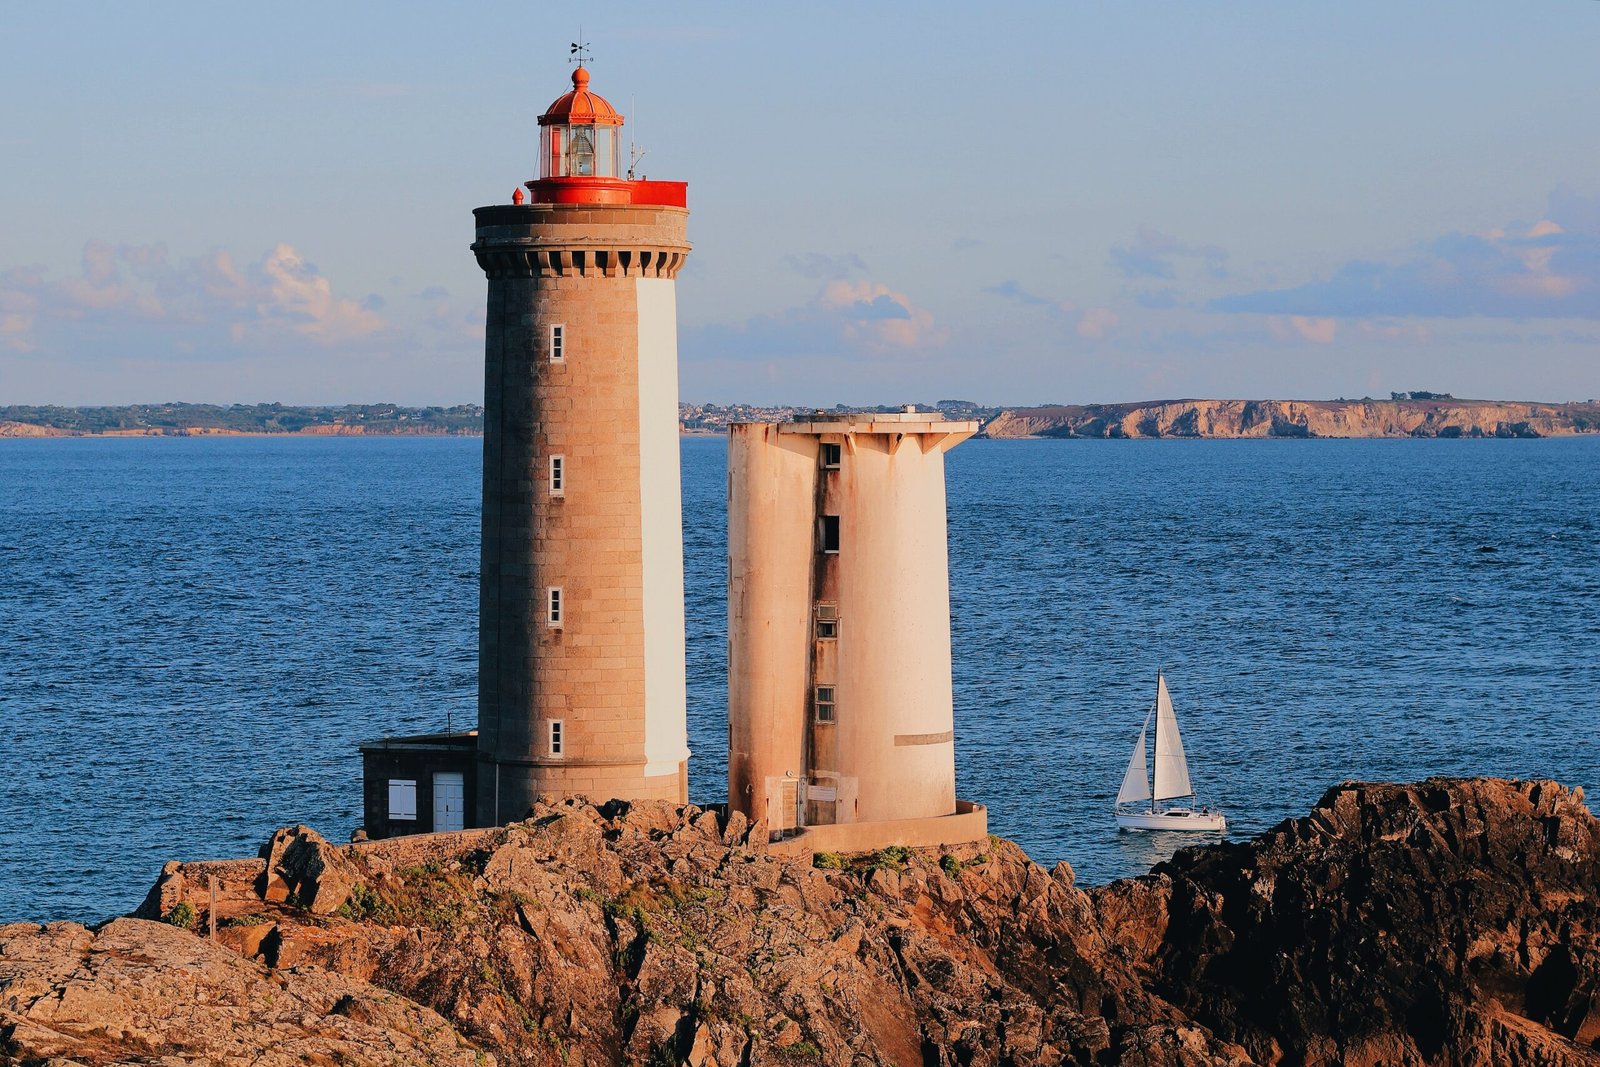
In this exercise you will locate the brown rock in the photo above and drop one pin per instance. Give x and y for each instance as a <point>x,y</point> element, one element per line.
<point>1453,921</point>
<point>1448,923</point>
<point>139,992</point>
<point>303,869</point>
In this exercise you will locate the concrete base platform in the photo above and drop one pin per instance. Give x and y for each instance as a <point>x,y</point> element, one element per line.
<point>969,823</point>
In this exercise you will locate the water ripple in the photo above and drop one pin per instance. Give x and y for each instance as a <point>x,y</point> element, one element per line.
<point>195,634</point>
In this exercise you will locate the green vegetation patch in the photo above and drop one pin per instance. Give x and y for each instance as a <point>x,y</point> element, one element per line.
<point>426,895</point>
<point>893,858</point>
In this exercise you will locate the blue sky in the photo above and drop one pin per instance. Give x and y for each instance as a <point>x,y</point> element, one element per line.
<point>1063,202</point>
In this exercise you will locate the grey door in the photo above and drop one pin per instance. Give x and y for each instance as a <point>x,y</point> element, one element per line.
<point>449,801</point>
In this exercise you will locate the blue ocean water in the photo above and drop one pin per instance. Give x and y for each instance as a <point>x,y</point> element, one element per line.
<point>195,633</point>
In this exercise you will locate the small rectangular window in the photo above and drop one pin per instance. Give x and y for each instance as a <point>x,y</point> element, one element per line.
<point>558,344</point>
<point>830,456</point>
<point>558,475</point>
<point>824,703</point>
<point>830,533</point>
<point>557,736</point>
<point>827,629</point>
<point>554,601</point>
<point>402,798</point>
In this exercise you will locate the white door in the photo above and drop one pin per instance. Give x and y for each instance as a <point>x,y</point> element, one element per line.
<point>449,801</point>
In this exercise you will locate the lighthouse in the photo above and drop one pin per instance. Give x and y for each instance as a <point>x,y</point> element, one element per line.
<point>580,598</point>
<point>581,632</point>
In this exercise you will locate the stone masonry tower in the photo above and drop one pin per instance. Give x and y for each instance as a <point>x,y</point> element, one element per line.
<point>581,635</point>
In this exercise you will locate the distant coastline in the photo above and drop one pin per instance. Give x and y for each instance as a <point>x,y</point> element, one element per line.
<point>1412,415</point>
<point>240,420</point>
<point>1430,415</point>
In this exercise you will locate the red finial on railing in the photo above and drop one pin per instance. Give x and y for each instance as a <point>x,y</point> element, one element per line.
<point>516,195</point>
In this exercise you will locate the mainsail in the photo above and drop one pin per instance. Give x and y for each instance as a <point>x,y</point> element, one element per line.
<point>1136,783</point>
<point>1172,769</point>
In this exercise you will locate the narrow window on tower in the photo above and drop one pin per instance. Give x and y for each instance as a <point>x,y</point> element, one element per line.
<point>558,343</point>
<point>824,703</point>
<point>830,533</point>
<point>558,475</point>
<point>831,454</point>
<point>554,614</point>
<point>558,736</point>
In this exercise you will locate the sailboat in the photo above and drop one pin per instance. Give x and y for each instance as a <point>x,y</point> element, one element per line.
<point>1171,779</point>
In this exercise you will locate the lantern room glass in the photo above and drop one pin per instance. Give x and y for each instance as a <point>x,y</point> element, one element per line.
<point>579,151</point>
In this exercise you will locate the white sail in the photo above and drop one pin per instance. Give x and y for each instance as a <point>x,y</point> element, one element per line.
<point>1172,769</point>
<point>1136,783</point>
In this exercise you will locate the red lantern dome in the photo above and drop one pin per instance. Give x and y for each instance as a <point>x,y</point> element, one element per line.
<point>580,135</point>
<point>580,155</point>
<point>580,107</point>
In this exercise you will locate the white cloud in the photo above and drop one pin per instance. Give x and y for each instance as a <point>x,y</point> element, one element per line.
<point>134,299</point>
<point>1550,269</point>
<point>1319,330</point>
<point>303,298</point>
<point>1095,323</point>
<point>845,317</point>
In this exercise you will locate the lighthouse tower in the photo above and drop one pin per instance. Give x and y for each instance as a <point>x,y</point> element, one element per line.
<point>581,634</point>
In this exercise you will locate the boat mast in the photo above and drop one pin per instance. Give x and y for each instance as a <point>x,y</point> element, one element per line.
<point>1155,741</point>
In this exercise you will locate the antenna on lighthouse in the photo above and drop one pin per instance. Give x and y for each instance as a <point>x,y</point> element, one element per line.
<point>635,153</point>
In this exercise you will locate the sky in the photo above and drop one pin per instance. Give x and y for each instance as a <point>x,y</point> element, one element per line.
<point>1027,203</point>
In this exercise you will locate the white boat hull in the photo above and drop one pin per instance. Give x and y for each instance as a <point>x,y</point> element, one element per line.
<point>1173,819</point>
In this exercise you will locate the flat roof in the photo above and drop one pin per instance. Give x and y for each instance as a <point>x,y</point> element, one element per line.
<point>456,739</point>
<point>848,422</point>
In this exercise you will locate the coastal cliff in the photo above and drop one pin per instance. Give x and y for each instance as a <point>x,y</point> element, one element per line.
<point>1299,418</point>
<point>1448,922</point>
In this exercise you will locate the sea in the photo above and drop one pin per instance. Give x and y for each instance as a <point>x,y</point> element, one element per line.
<point>196,633</point>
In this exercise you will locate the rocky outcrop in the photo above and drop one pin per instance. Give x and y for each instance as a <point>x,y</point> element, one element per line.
<point>143,992</point>
<point>23,429</point>
<point>303,868</point>
<point>1299,418</point>
<point>1451,922</point>
<point>1447,922</point>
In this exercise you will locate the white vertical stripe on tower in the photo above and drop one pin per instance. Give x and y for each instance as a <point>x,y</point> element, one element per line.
<point>666,738</point>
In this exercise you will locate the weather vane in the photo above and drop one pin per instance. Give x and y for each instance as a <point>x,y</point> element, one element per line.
<point>579,52</point>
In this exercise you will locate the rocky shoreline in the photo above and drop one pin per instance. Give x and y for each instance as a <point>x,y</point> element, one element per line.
<point>1452,921</point>
<point>1299,418</point>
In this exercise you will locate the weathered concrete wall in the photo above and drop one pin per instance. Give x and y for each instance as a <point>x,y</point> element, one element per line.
<point>970,822</point>
<point>886,753</point>
<point>771,543</point>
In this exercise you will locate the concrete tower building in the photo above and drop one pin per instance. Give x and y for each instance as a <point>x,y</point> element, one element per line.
<point>581,634</point>
<point>839,695</point>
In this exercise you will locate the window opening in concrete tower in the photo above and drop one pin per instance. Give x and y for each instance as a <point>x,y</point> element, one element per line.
<point>554,614</point>
<point>558,475</point>
<point>557,736</point>
<point>827,622</point>
<point>831,455</point>
<point>558,344</point>
<point>830,533</point>
<point>824,703</point>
